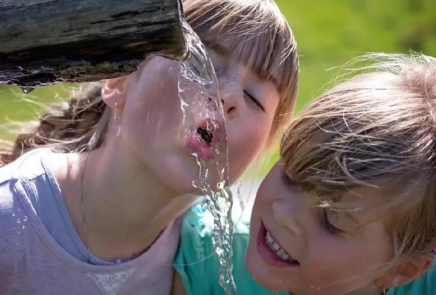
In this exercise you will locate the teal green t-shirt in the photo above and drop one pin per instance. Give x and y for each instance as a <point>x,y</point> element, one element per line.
<point>423,285</point>
<point>197,263</point>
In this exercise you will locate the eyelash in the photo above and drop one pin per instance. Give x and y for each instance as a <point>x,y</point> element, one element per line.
<point>255,101</point>
<point>327,224</point>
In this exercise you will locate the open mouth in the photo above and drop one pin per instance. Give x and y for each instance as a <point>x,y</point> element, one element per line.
<point>272,252</point>
<point>205,135</point>
<point>281,253</point>
<point>205,141</point>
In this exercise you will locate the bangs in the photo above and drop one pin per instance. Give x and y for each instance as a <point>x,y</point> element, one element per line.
<point>359,135</point>
<point>258,35</point>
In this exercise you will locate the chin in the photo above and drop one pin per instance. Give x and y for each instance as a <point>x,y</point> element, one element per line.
<point>181,183</point>
<point>179,172</point>
<point>180,177</point>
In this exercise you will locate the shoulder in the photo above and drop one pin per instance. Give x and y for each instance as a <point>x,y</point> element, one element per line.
<point>17,191</point>
<point>27,167</point>
<point>423,285</point>
<point>28,175</point>
<point>12,216</point>
<point>197,263</point>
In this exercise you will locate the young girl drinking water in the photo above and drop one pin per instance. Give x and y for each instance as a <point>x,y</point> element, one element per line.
<point>90,194</point>
<point>350,208</point>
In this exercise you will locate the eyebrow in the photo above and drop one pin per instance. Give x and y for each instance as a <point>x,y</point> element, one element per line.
<point>225,52</point>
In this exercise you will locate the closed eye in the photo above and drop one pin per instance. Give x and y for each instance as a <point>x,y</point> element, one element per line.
<point>258,104</point>
<point>328,225</point>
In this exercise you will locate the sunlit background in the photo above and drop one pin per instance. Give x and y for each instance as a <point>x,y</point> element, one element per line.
<point>329,33</point>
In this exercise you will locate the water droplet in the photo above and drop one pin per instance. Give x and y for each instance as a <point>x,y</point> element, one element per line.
<point>16,244</point>
<point>13,214</point>
<point>25,218</point>
<point>18,220</point>
<point>24,226</point>
<point>27,89</point>
<point>314,287</point>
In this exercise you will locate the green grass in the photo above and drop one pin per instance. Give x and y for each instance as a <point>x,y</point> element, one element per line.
<point>329,33</point>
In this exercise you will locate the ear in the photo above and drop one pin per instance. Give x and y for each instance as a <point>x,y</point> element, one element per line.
<point>114,91</point>
<point>407,270</point>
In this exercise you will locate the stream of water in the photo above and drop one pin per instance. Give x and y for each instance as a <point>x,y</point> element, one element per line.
<point>203,119</point>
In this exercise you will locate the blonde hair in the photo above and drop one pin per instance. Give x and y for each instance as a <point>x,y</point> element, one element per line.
<point>268,47</point>
<point>378,130</point>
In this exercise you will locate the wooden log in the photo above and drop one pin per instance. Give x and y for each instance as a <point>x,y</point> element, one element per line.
<point>48,41</point>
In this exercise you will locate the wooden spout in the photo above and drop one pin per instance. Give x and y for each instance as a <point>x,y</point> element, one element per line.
<point>48,41</point>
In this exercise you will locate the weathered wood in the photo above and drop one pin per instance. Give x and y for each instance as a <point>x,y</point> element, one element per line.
<point>48,41</point>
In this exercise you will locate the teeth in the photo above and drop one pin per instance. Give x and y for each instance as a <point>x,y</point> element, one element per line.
<point>276,248</point>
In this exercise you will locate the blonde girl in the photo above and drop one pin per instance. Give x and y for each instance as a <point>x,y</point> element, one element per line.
<point>350,208</point>
<point>91,194</point>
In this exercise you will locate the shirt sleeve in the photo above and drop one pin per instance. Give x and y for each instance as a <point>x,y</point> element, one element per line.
<point>198,265</point>
<point>423,285</point>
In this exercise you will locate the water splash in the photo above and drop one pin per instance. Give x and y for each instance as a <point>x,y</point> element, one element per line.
<point>27,89</point>
<point>200,102</point>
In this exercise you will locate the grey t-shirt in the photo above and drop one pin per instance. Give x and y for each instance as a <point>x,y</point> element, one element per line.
<point>41,252</point>
<point>50,207</point>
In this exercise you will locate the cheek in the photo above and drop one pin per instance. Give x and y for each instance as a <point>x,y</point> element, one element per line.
<point>267,193</point>
<point>334,266</point>
<point>246,138</point>
<point>153,106</point>
<point>272,187</point>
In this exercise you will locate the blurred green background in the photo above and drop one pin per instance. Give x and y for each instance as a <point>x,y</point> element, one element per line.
<point>329,33</point>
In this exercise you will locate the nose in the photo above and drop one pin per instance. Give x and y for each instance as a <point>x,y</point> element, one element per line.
<point>231,95</point>
<point>289,214</point>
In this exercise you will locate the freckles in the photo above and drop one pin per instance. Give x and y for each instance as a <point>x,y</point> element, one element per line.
<point>258,134</point>
<point>230,81</point>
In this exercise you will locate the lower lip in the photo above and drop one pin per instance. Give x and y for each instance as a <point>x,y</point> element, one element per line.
<point>199,148</point>
<point>269,256</point>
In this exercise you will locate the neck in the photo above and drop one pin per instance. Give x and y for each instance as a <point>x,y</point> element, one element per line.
<point>125,205</point>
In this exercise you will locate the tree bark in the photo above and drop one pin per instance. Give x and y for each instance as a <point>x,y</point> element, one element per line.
<point>48,41</point>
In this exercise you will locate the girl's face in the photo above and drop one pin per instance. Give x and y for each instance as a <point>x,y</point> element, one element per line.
<point>152,120</point>
<point>315,250</point>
